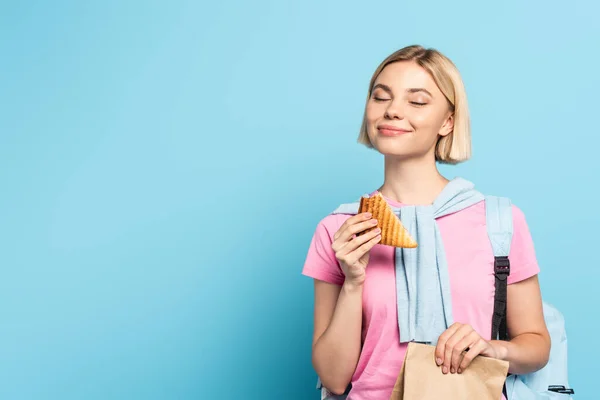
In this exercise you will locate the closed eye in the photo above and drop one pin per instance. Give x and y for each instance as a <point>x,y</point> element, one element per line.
<point>417,103</point>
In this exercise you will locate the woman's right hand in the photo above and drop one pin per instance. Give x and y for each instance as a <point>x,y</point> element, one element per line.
<point>352,251</point>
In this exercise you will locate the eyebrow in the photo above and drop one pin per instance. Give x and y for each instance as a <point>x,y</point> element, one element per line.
<point>411,90</point>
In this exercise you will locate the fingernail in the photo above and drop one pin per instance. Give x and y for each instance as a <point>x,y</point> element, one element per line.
<point>373,222</point>
<point>445,370</point>
<point>452,371</point>
<point>368,215</point>
<point>460,370</point>
<point>438,361</point>
<point>377,230</point>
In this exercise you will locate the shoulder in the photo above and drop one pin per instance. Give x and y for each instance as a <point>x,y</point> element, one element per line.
<point>522,254</point>
<point>481,212</point>
<point>500,201</point>
<point>518,215</point>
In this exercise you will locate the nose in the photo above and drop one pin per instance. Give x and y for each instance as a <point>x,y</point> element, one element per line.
<point>394,111</point>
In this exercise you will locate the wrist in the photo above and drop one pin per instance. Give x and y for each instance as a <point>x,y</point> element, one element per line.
<point>500,348</point>
<point>352,287</point>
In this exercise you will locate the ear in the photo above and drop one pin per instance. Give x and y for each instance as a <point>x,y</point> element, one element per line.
<point>448,126</point>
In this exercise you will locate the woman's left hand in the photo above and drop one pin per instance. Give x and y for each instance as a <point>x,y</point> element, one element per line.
<point>459,345</point>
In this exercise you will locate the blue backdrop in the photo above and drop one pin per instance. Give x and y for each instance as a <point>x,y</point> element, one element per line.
<point>163,166</point>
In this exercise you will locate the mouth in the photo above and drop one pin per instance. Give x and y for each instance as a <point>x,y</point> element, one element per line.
<point>388,130</point>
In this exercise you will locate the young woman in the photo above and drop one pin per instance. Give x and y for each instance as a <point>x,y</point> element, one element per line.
<point>416,116</point>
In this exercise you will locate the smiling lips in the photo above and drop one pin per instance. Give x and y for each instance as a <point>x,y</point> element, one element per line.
<point>389,130</point>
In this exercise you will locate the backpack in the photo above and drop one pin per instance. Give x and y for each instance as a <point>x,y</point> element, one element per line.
<point>548,383</point>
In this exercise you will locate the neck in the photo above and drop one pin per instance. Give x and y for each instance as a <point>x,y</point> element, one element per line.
<point>415,181</point>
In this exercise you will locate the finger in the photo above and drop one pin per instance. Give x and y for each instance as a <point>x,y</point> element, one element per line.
<point>359,228</point>
<point>362,250</point>
<point>459,350</point>
<point>441,344</point>
<point>344,233</point>
<point>358,241</point>
<point>351,221</point>
<point>348,233</point>
<point>344,253</point>
<point>449,349</point>
<point>476,349</point>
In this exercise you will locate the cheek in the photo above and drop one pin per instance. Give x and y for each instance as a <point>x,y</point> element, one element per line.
<point>374,112</point>
<point>426,120</point>
<point>422,119</point>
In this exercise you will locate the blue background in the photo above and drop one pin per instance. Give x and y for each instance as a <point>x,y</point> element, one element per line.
<point>164,164</point>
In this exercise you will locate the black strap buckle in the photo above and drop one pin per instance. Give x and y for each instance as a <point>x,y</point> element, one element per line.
<point>560,389</point>
<point>501,267</point>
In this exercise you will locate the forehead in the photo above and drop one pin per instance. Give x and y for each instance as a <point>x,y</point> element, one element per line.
<point>403,75</point>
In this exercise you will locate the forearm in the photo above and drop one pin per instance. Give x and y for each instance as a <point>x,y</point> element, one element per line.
<point>525,353</point>
<point>336,352</point>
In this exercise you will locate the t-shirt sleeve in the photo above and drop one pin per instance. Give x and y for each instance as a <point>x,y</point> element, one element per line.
<point>523,260</point>
<point>320,262</point>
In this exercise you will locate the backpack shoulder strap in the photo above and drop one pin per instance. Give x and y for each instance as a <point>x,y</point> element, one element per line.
<point>499,223</point>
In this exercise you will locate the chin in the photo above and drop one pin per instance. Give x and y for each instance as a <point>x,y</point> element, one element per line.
<point>392,149</point>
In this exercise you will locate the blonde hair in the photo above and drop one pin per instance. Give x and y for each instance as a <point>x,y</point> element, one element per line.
<point>456,146</point>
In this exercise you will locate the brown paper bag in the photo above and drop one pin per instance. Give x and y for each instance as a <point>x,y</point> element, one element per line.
<point>420,378</point>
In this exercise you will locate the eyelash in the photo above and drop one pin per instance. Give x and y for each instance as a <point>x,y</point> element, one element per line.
<point>411,102</point>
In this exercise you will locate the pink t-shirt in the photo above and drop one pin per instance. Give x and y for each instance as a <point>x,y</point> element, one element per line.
<point>471,270</point>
